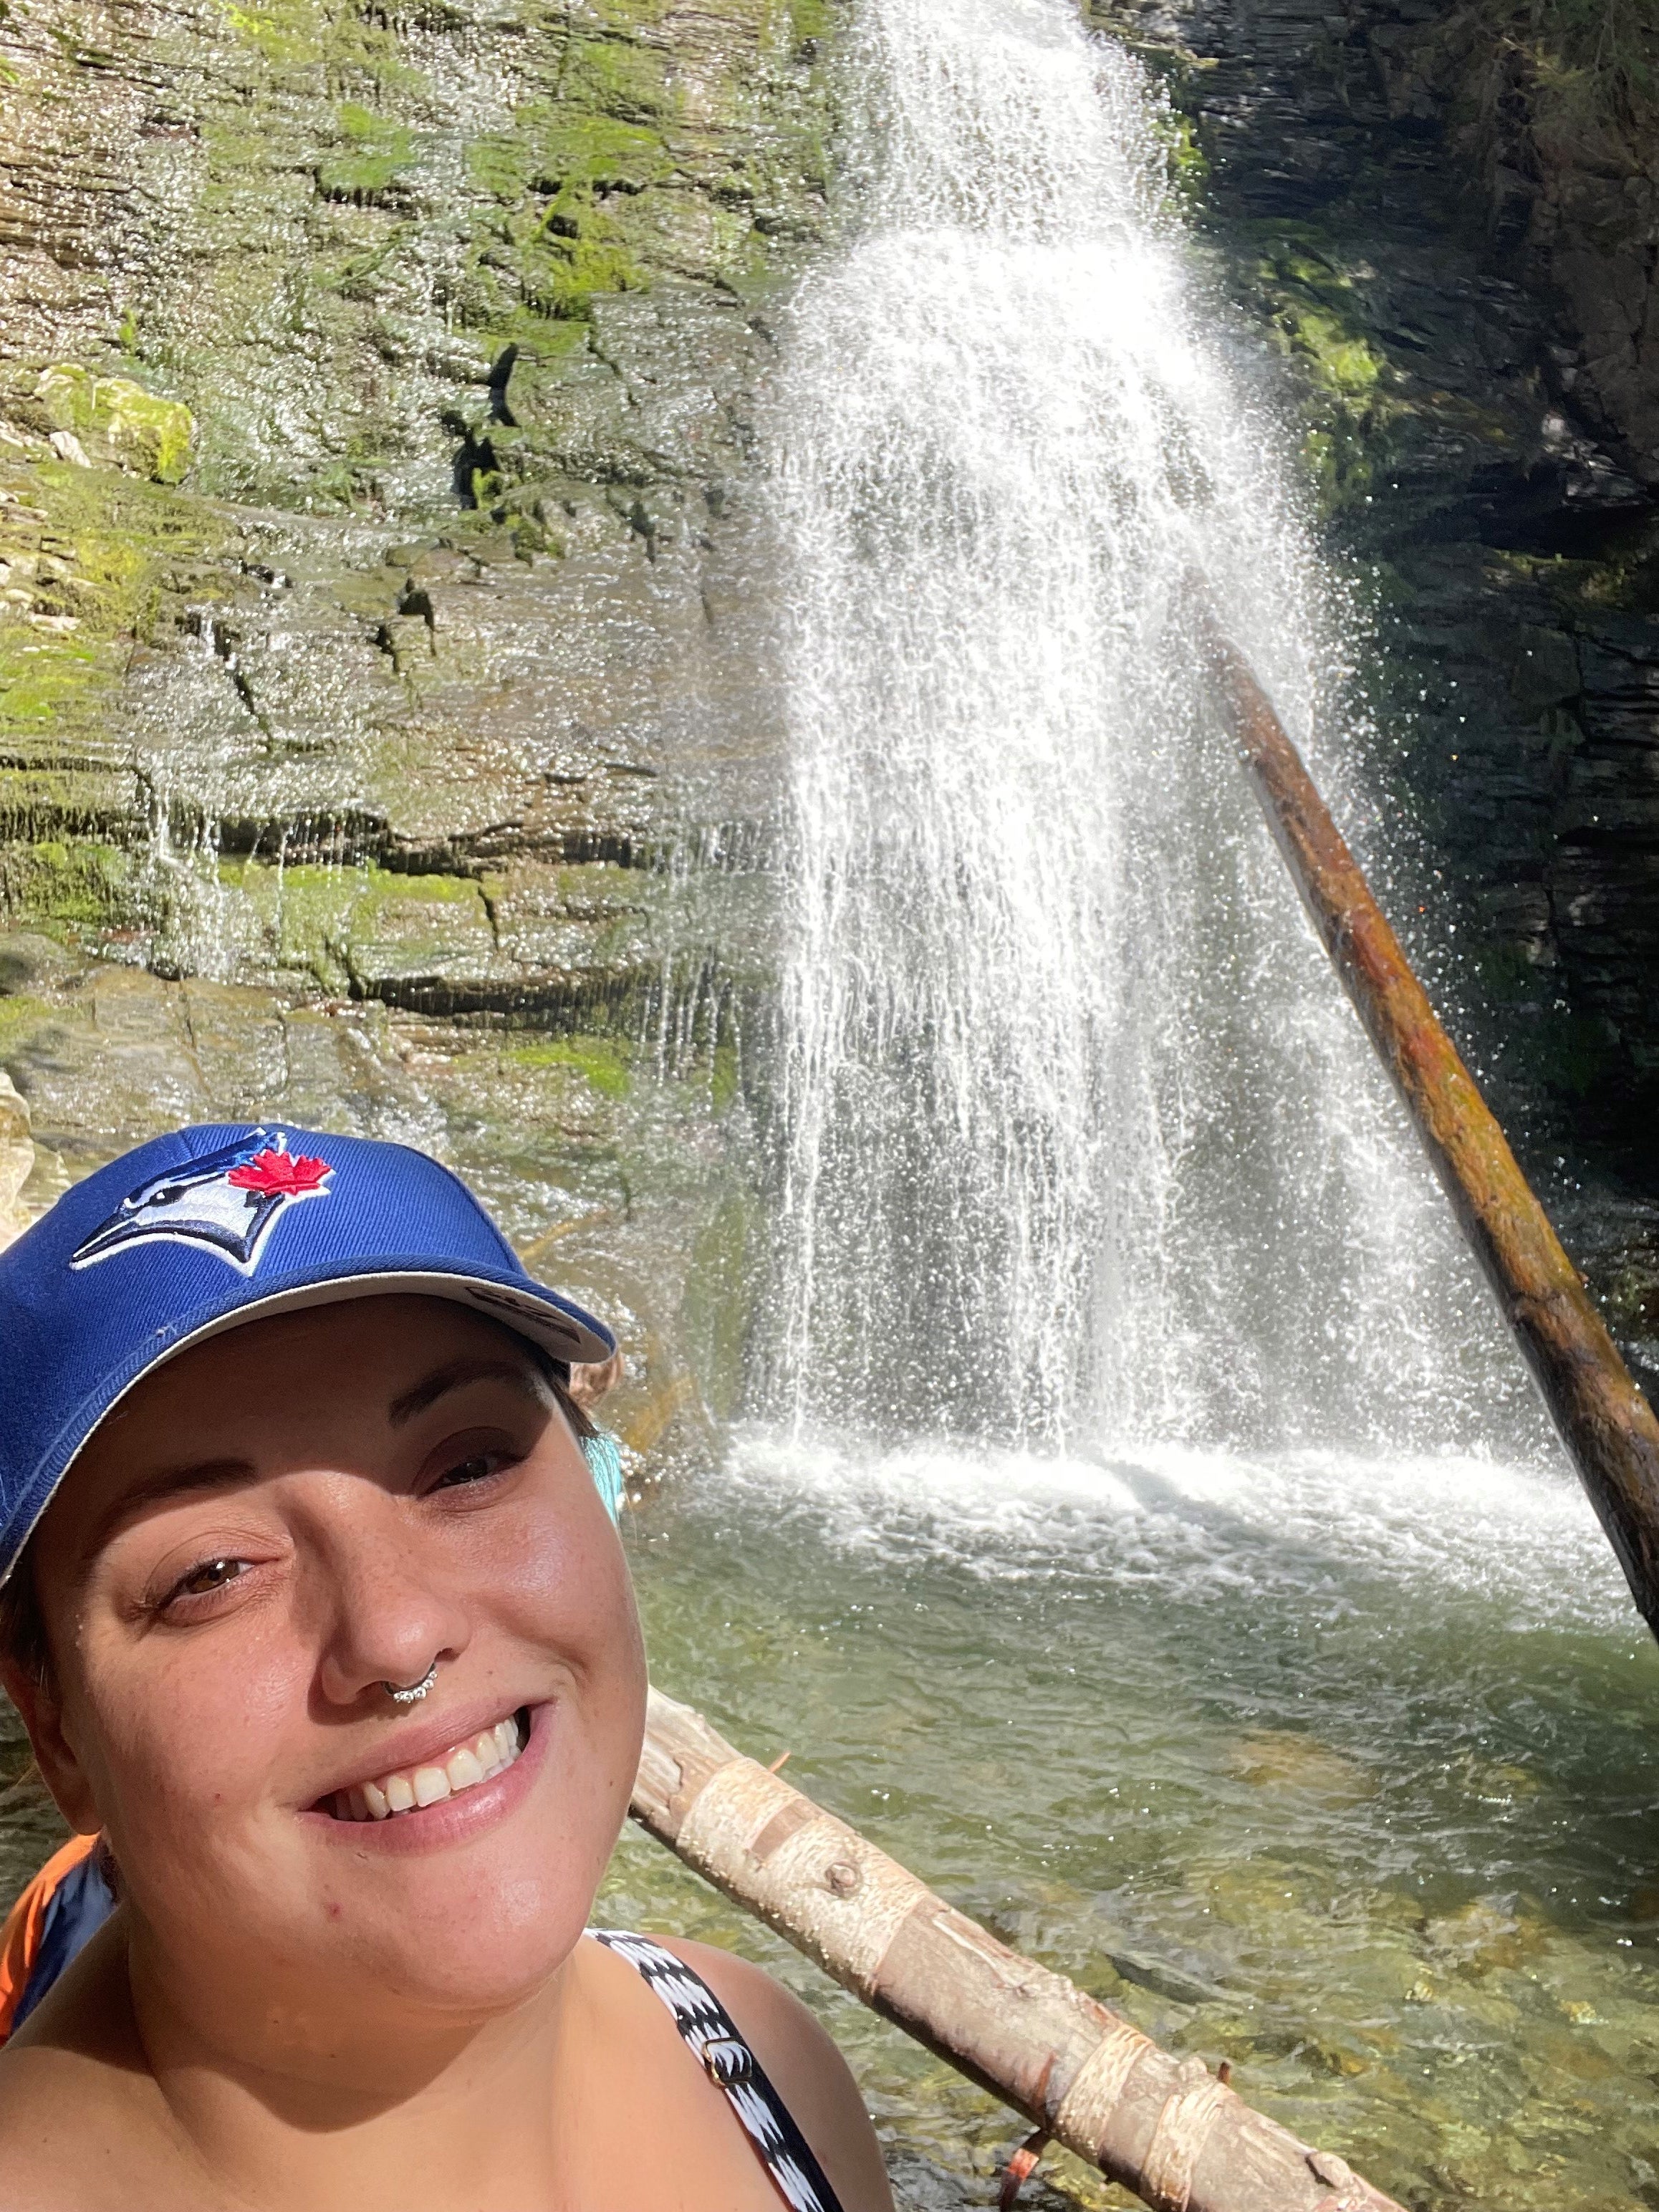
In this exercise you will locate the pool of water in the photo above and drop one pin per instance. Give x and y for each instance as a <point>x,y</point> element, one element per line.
<point>1342,1770</point>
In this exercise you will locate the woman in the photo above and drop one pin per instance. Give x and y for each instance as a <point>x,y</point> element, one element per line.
<point>316,1618</point>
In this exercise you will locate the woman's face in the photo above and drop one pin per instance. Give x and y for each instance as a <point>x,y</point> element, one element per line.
<point>268,1530</point>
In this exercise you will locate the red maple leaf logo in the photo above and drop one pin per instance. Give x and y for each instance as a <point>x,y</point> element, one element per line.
<point>280,1175</point>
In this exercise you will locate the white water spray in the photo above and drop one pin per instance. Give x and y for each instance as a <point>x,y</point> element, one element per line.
<point>1082,1144</point>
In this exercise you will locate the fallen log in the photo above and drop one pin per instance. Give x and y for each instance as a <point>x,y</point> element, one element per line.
<point>1165,2128</point>
<point>1604,1422</point>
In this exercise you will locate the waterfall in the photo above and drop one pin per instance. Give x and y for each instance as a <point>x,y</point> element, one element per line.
<point>1080,1142</point>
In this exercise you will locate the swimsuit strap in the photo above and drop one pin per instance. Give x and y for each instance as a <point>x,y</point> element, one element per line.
<point>710,2034</point>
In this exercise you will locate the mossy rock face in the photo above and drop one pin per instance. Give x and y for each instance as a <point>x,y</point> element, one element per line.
<point>622,1174</point>
<point>374,155</point>
<point>453,319</point>
<point>377,658</point>
<point>358,213</point>
<point>115,421</point>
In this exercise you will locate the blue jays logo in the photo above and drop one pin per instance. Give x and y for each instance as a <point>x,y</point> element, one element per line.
<point>227,1200</point>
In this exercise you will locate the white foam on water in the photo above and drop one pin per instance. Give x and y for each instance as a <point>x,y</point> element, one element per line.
<point>1192,1525</point>
<point>1081,1144</point>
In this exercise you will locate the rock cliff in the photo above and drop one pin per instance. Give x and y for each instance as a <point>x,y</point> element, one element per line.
<point>1552,112</point>
<point>379,629</point>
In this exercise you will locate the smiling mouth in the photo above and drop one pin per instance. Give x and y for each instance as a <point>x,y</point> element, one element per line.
<point>408,1788</point>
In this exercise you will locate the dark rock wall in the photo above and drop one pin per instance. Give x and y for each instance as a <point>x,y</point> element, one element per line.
<point>1495,525</point>
<point>1564,152</point>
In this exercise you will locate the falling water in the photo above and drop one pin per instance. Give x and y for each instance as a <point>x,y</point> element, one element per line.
<point>1082,1144</point>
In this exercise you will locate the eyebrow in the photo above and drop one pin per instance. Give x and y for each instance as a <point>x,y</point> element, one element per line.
<point>167,1482</point>
<point>456,1374</point>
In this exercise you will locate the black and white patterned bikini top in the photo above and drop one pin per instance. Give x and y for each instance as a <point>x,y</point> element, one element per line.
<point>711,2035</point>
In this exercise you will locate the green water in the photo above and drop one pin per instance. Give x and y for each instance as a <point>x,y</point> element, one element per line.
<point>1345,1772</point>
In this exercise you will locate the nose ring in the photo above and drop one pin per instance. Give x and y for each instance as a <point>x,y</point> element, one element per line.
<point>411,1693</point>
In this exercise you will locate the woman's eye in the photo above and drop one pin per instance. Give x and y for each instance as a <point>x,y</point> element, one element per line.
<point>211,1575</point>
<point>476,1468</point>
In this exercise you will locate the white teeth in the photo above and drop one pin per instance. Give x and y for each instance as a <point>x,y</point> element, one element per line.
<point>468,1764</point>
<point>462,1770</point>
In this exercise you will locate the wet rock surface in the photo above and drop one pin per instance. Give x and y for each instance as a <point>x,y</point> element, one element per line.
<point>454,325</point>
<point>405,766</point>
<point>383,601</point>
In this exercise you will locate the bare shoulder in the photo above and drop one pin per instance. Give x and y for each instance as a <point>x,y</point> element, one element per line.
<point>807,2069</point>
<point>38,2090</point>
<point>76,2124</point>
<point>49,2120</point>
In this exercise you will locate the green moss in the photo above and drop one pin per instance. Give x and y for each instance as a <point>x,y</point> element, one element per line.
<point>1313,313</point>
<point>19,1015</point>
<point>1185,161</point>
<point>1343,360</point>
<point>375,152</point>
<point>542,340</point>
<point>563,170</point>
<point>723,1078</point>
<point>71,886</point>
<point>131,546</point>
<point>601,1061</point>
<point>42,678</point>
<point>1589,67</point>
<point>316,920</point>
<point>600,152</point>
<point>809,22</point>
<point>346,41</point>
<point>617,78</point>
<point>304,912</point>
<point>283,31</point>
<point>444,890</point>
<point>560,278</point>
<point>118,421</point>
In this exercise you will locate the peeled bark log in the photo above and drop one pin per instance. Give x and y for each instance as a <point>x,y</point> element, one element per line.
<point>1164,2127</point>
<point>1604,1422</point>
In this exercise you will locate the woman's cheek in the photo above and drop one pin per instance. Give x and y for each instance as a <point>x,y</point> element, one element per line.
<point>194,1741</point>
<point>573,1598</point>
<point>561,1567</point>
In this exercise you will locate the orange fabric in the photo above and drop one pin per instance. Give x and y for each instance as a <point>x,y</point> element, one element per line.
<point>20,1939</point>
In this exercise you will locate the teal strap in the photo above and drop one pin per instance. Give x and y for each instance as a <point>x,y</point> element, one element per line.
<point>603,1457</point>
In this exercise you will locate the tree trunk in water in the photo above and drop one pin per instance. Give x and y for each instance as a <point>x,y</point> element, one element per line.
<point>1604,1421</point>
<point>1164,2127</point>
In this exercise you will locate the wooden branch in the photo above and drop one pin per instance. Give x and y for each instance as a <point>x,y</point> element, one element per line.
<point>1604,1422</point>
<point>1164,2127</point>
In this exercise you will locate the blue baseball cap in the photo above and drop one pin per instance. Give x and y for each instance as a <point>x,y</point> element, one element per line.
<point>197,1232</point>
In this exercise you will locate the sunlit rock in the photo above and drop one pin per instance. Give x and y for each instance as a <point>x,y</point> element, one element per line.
<point>16,1159</point>
<point>111,419</point>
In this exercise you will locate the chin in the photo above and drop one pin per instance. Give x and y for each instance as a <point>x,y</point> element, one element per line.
<point>445,1945</point>
<point>490,1961</point>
